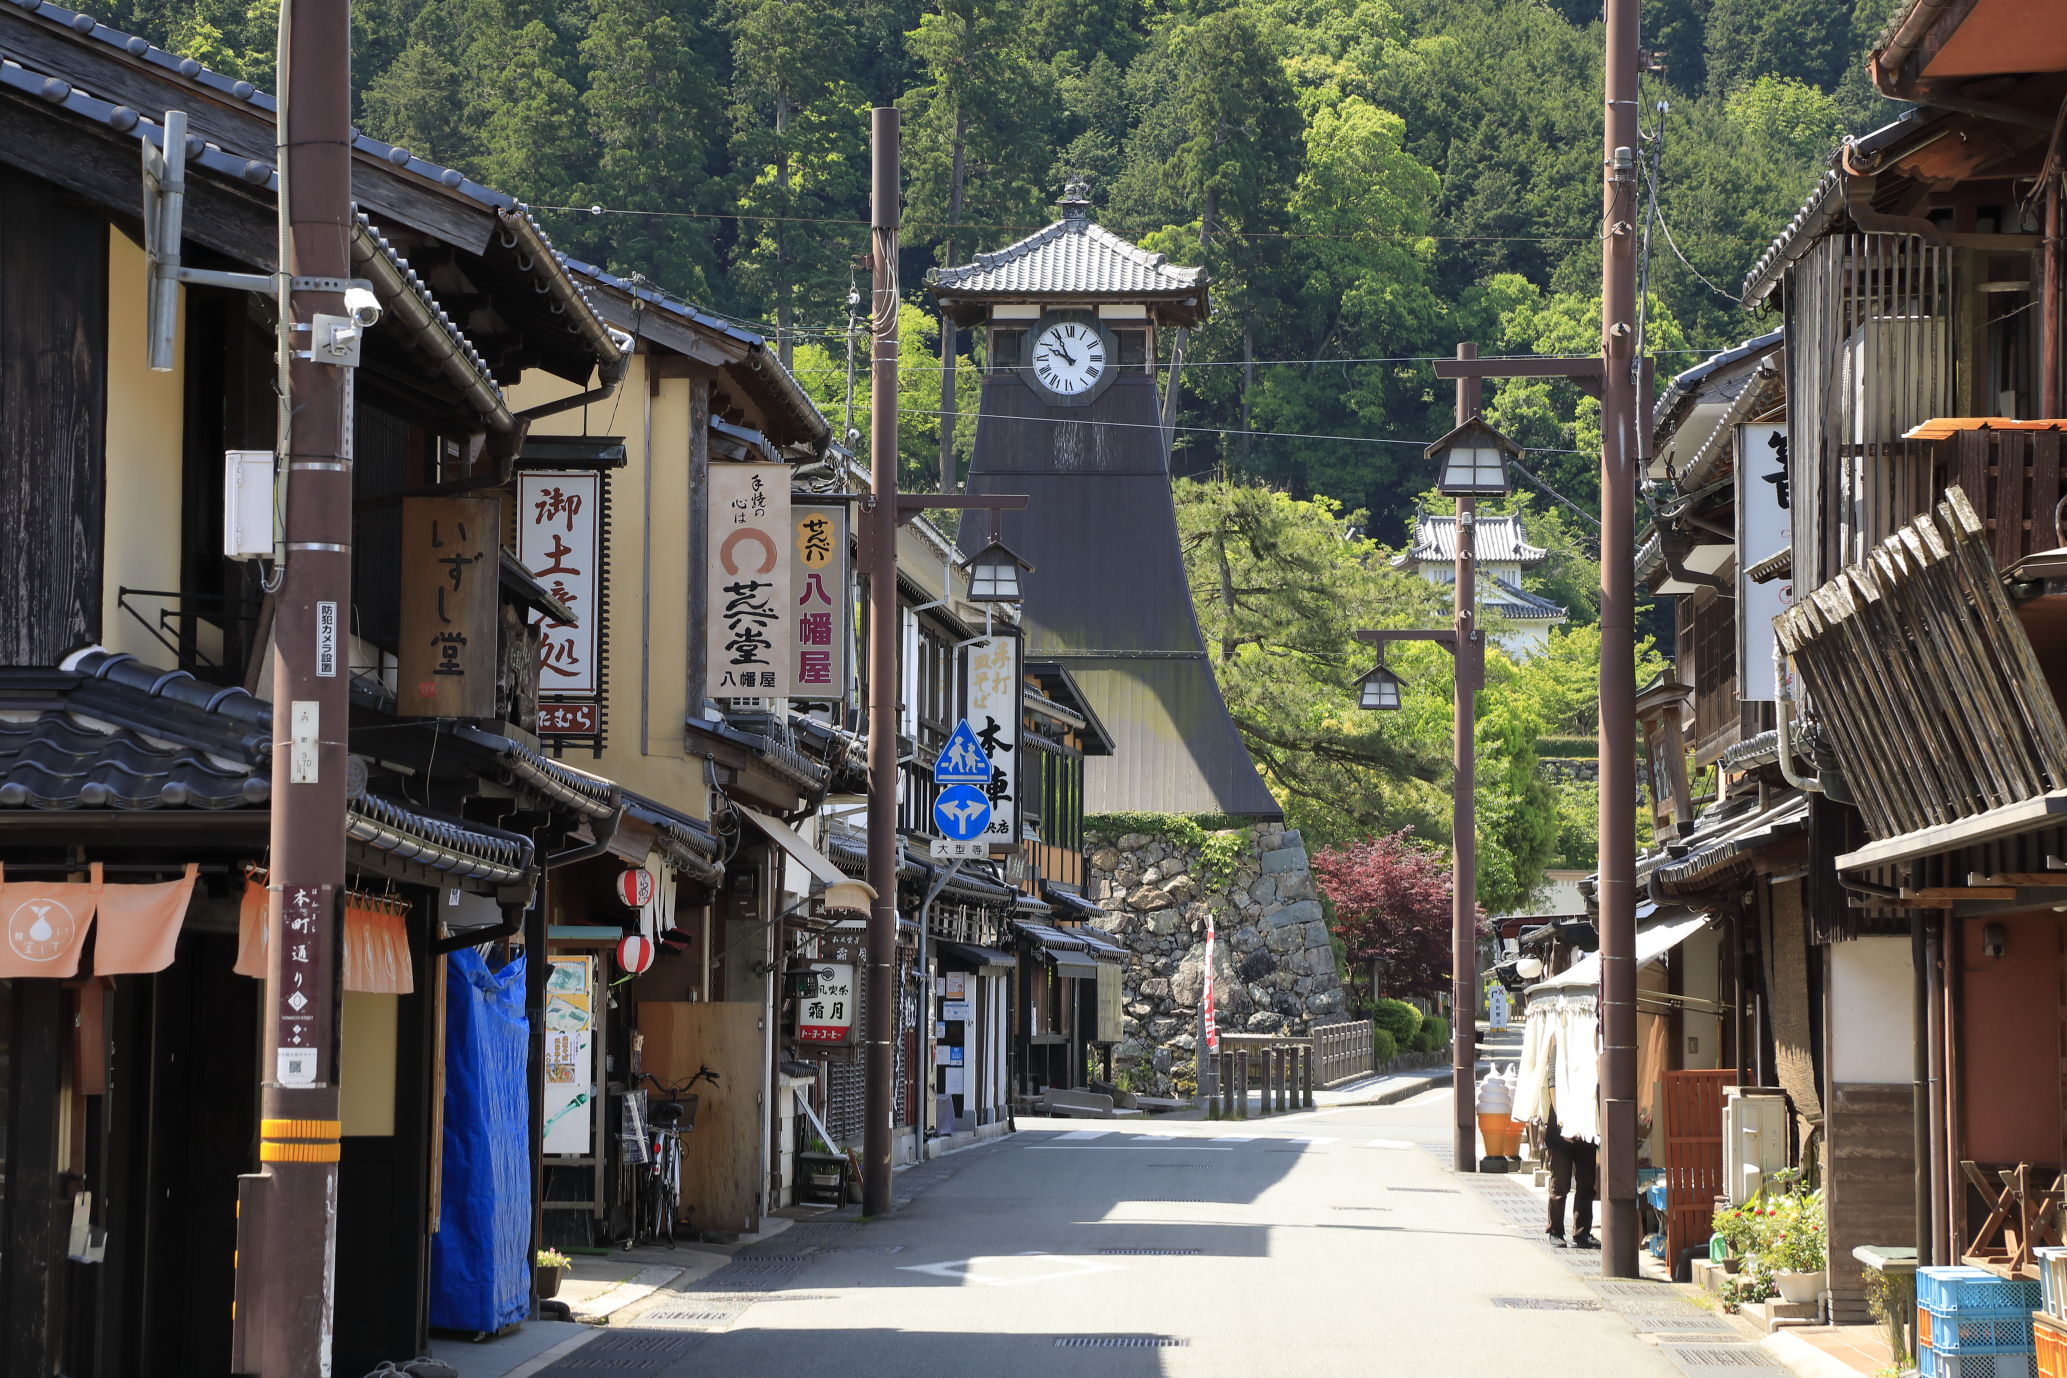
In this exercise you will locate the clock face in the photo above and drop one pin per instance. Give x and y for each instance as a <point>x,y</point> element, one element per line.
<point>1069,358</point>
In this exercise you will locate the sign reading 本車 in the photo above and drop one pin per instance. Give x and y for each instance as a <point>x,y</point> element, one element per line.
<point>750,616</point>
<point>992,674</point>
<point>821,609</point>
<point>559,539</point>
<point>451,558</point>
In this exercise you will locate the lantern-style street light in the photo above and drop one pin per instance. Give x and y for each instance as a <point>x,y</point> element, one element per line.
<point>994,575</point>
<point>1471,463</point>
<point>1379,689</point>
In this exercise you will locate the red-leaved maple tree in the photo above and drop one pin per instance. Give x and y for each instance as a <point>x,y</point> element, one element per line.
<point>1391,896</point>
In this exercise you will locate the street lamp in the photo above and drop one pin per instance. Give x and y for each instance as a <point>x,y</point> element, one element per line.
<point>1379,689</point>
<point>994,574</point>
<point>1471,462</point>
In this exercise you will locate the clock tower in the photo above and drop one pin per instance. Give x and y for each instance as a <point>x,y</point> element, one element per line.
<point>1072,415</point>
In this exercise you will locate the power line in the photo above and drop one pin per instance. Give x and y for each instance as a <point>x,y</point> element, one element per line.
<point>1286,363</point>
<point>1218,430</point>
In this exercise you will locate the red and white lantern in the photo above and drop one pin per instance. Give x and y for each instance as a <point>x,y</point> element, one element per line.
<point>635,887</point>
<point>635,954</point>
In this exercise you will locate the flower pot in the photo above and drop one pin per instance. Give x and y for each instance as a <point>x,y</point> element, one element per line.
<point>1798,1289</point>
<point>548,1281</point>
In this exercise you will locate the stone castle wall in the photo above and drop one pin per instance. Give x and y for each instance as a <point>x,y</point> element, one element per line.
<point>1275,966</point>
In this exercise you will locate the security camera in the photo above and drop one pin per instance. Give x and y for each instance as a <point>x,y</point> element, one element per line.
<point>852,435</point>
<point>362,306</point>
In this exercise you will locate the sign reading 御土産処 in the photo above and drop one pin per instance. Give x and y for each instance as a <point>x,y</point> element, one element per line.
<point>559,539</point>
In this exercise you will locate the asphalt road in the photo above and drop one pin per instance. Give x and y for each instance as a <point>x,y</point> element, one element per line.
<point>1332,1243</point>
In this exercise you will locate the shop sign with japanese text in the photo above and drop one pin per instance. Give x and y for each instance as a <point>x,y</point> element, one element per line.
<point>749,617</point>
<point>451,569</point>
<point>559,539</point>
<point>826,1014</point>
<point>991,672</point>
<point>818,578</point>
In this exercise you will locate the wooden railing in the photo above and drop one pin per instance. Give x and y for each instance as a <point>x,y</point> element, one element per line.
<point>2013,480</point>
<point>1342,1052</point>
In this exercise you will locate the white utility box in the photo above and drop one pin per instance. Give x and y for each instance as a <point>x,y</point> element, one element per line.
<point>247,504</point>
<point>1754,1139</point>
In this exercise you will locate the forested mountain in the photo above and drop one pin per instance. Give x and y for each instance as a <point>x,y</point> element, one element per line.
<point>1368,180</point>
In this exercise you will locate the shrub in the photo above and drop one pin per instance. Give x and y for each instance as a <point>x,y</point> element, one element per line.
<point>1397,1018</point>
<point>1434,1035</point>
<point>1384,1047</point>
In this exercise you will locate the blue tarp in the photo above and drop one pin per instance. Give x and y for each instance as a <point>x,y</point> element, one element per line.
<point>480,1277</point>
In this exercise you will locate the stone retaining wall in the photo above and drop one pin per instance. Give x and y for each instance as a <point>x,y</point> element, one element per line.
<point>1275,965</point>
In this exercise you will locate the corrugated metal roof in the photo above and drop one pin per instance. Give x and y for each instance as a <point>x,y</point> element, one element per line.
<point>1109,600</point>
<point>1500,540</point>
<point>1075,255</point>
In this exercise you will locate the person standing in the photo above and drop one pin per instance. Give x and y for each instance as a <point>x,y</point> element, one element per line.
<point>1574,1164</point>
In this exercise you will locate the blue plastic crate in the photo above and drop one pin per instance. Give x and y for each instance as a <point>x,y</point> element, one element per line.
<point>1965,1291</point>
<point>1976,1332</point>
<point>2052,1274</point>
<point>1933,1363</point>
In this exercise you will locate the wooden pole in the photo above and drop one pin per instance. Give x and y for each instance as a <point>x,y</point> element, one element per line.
<point>287,1218</point>
<point>1620,1226</point>
<point>881,1081</point>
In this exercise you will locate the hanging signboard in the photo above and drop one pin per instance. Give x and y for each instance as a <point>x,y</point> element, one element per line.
<point>1764,529</point>
<point>446,657</point>
<point>826,1017</point>
<point>748,617</point>
<point>821,609</point>
<point>991,671</point>
<point>559,539</point>
<point>570,1024</point>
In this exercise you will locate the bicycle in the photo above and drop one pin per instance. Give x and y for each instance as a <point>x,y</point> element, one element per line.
<point>657,1188</point>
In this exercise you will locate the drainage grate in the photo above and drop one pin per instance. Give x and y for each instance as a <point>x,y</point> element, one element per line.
<point>1546,1304</point>
<point>1359,1208</point>
<point>788,1260</point>
<point>681,1317</point>
<point>1152,1253</point>
<point>1696,1358</point>
<point>1444,1191</point>
<point>1685,1325</point>
<point>1120,1342</point>
<point>1175,1200</point>
<point>635,1342</point>
<point>861,1249</point>
<point>1629,1291</point>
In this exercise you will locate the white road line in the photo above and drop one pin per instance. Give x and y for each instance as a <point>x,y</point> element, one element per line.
<point>1140,1148</point>
<point>1389,1143</point>
<point>1236,1138</point>
<point>1308,1140</point>
<point>1084,1135</point>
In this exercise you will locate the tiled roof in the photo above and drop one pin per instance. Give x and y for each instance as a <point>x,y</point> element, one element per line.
<point>1513,601</point>
<point>1822,207</point>
<point>1501,540</point>
<point>260,172</point>
<point>110,732</point>
<point>1073,256</point>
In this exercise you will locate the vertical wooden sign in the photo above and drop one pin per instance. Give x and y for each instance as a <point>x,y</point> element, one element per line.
<point>822,608</point>
<point>451,567</point>
<point>749,617</point>
<point>992,672</point>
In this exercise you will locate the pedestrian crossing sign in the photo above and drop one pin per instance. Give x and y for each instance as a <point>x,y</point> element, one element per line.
<point>962,761</point>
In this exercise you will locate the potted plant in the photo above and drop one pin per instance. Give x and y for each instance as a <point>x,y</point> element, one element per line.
<point>548,1268</point>
<point>1792,1246</point>
<point>1735,1229</point>
<point>821,1172</point>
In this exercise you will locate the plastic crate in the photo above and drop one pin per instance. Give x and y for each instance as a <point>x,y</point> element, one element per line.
<point>1936,1363</point>
<point>2050,1337</point>
<point>1970,1332</point>
<point>2052,1279</point>
<point>1965,1291</point>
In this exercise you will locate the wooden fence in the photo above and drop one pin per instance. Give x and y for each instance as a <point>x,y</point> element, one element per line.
<point>1342,1052</point>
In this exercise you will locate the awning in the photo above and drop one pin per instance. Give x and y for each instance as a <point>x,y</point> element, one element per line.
<point>1103,945</point>
<point>790,840</point>
<point>980,958</point>
<point>1656,935</point>
<point>1072,904</point>
<point>1069,951</point>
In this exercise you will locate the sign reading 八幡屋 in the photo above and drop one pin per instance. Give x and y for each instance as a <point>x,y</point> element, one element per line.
<point>820,608</point>
<point>750,619</point>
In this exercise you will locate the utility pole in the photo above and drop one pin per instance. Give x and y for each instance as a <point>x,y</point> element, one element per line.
<point>287,1211</point>
<point>1470,649</point>
<point>1617,861</point>
<point>881,518</point>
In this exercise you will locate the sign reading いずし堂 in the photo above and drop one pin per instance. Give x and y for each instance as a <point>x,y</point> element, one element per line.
<point>451,568</point>
<point>749,617</point>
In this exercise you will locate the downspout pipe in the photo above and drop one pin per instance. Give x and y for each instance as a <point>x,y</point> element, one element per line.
<point>609,374</point>
<point>1783,703</point>
<point>513,914</point>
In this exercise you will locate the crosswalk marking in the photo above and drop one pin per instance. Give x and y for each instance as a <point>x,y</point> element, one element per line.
<point>1084,1135</point>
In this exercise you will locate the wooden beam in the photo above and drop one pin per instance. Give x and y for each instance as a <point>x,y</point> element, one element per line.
<point>1945,896</point>
<point>2054,879</point>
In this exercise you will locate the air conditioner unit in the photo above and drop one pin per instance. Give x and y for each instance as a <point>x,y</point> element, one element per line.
<point>1754,1139</point>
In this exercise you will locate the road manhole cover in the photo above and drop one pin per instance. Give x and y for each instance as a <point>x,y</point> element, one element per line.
<point>1546,1304</point>
<point>1120,1342</point>
<point>1697,1358</point>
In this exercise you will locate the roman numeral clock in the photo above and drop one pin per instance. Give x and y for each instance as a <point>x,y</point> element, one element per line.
<point>1078,334</point>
